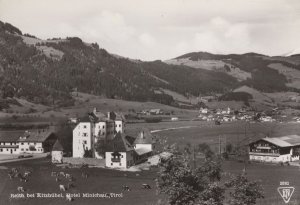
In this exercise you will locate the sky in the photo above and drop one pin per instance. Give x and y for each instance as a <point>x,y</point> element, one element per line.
<point>163,29</point>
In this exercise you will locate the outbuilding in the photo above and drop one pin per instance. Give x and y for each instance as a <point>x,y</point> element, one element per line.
<point>57,153</point>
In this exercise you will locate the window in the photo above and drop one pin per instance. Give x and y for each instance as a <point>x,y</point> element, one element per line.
<point>15,150</point>
<point>111,164</point>
<point>26,149</point>
<point>84,142</point>
<point>1,150</point>
<point>121,156</point>
<point>119,125</point>
<point>120,164</point>
<point>84,126</point>
<point>6,149</point>
<point>103,127</point>
<point>22,149</point>
<point>22,143</point>
<point>84,134</point>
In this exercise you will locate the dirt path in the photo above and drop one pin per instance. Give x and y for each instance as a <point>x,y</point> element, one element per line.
<point>173,128</point>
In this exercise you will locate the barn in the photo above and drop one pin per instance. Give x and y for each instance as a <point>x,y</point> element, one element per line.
<point>275,149</point>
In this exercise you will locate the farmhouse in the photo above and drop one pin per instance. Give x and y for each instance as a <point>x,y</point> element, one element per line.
<point>119,153</point>
<point>18,142</point>
<point>96,126</point>
<point>124,151</point>
<point>277,149</point>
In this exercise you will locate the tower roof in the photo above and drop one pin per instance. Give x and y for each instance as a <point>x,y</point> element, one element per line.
<point>57,146</point>
<point>144,137</point>
<point>119,144</point>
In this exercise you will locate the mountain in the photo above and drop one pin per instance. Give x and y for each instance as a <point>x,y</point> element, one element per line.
<point>48,71</point>
<point>264,73</point>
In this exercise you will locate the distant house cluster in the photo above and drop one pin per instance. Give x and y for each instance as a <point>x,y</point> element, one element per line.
<point>228,114</point>
<point>33,142</point>
<point>277,149</point>
<point>154,111</point>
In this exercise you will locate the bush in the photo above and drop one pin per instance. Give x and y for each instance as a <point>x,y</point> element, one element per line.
<point>153,119</point>
<point>88,153</point>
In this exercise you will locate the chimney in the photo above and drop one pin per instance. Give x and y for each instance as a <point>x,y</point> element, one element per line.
<point>108,115</point>
<point>95,111</point>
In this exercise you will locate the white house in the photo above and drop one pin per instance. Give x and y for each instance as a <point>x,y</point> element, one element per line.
<point>32,142</point>
<point>120,152</point>
<point>203,110</point>
<point>96,126</point>
<point>144,145</point>
<point>124,151</point>
<point>276,149</point>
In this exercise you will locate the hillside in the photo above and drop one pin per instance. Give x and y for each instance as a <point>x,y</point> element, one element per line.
<point>47,71</point>
<point>264,73</point>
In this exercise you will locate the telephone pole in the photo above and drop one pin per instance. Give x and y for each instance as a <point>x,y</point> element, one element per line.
<point>220,145</point>
<point>194,157</point>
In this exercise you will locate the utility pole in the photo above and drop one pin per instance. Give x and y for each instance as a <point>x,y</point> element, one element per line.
<point>219,145</point>
<point>194,157</point>
<point>225,144</point>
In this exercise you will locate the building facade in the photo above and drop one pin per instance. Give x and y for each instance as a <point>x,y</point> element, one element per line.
<point>277,149</point>
<point>96,126</point>
<point>125,151</point>
<point>30,142</point>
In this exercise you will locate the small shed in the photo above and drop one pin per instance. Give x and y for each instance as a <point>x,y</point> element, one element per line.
<point>57,153</point>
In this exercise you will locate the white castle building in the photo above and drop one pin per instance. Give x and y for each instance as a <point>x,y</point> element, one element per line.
<point>96,126</point>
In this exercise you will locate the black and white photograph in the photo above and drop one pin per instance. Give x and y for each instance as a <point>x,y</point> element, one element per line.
<point>150,102</point>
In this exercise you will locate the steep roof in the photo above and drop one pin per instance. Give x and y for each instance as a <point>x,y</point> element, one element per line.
<point>10,136</point>
<point>144,137</point>
<point>119,144</point>
<point>285,141</point>
<point>57,146</point>
<point>35,136</point>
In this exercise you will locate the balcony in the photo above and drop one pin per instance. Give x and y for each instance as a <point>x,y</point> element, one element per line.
<point>264,154</point>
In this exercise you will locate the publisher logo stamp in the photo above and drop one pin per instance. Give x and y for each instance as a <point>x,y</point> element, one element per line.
<point>285,191</point>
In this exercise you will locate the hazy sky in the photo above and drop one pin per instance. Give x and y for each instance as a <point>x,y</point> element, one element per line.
<point>163,29</point>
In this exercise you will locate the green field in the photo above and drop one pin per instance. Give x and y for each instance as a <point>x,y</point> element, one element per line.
<point>111,181</point>
<point>99,181</point>
<point>195,132</point>
<point>237,133</point>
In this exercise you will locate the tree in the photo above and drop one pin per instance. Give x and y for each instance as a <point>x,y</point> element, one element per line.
<point>244,192</point>
<point>184,185</point>
<point>100,147</point>
<point>205,149</point>
<point>65,135</point>
<point>88,153</point>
